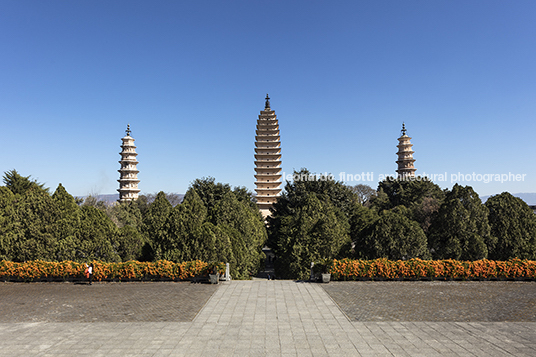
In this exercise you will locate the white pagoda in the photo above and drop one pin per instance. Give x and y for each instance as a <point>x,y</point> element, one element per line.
<point>405,156</point>
<point>128,181</point>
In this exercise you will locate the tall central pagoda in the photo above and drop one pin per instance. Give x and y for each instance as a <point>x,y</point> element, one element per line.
<point>405,160</point>
<point>267,159</point>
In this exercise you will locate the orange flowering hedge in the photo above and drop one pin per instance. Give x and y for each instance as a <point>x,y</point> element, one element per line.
<point>131,270</point>
<point>347,269</point>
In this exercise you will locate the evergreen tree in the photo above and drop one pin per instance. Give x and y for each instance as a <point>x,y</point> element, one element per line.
<point>420,195</point>
<point>395,237</point>
<point>210,192</point>
<point>246,231</point>
<point>143,204</point>
<point>409,191</point>
<point>316,230</point>
<point>26,216</point>
<point>460,229</point>
<point>97,236</point>
<point>130,243</point>
<point>20,184</point>
<point>66,225</point>
<point>244,195</point>
<point>326,189</point>
<point>10,226</point>
<point>154,224</point>
<point>206,243</point>
<point>126,214</point>
<point>186,239</point>
<point>361,220</point>
<point>37,213</point>
<point>311,221</point>
<point>239,220</point>
<point>513,224</point>
<point>381,201</point>
<point>223,246</point>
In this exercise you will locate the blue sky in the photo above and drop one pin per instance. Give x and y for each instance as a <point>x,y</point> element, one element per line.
<point>191,76</point>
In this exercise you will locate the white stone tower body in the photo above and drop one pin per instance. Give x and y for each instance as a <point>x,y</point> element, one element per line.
<point>128,181</point>
<point>267,159</point>
<point>405,156</point>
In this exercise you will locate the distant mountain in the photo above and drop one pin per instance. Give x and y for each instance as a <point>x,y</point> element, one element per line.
<point>108,199</point>
<point>529,198</point>
<point>113,197</point>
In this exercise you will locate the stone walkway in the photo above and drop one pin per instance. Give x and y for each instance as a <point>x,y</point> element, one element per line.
<point>266,318</point>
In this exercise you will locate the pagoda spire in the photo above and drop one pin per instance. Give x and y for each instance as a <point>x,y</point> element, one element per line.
<point>267,159</point>
<point>405,160</point>
<point>128,179</point>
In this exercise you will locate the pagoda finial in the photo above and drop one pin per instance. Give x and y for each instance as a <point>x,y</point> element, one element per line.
<point>267,103</point>
<point>403,128</point>
<point>128,130</point>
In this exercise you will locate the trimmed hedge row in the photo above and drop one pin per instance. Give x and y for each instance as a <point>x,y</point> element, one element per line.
<point>347,269</point>
<point>132,270</point>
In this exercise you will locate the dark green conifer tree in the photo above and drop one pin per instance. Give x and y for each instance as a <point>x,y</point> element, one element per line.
<point>187,240</point>
<point>97,236</point>
<point>67,224</point>
<point>10,224</point>
<point>317,230</point>
<point>310,221</point>
<point>513,224</point>
<point>460,229</point>
<point>233,214</point>
<point>245,231</point>
<point>126,214</point>
<point>395,237</point>
<point>36,212</point>
<point>20,184</point>
<point>154,224</point>
<point>130,243</point>
<point>421,196</point>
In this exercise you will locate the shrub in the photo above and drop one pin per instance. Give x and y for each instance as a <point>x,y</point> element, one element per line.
<point>131,270</point>
<point>347,269</point>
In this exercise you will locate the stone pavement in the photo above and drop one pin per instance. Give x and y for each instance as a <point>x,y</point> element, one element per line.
<point>264,318</point>
<point>106,302</point>
<point>440,301</point>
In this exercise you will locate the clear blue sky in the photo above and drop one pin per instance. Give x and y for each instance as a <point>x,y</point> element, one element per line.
<point>191,76</point>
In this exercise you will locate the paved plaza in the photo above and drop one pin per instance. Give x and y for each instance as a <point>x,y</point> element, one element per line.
<point>106,302</point>
<point>440,301</point>
<point>269,318</point>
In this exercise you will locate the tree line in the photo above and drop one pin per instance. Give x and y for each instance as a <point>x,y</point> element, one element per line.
<point>213,223</point>
<point>312,220</point>
<point>403,219</point>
